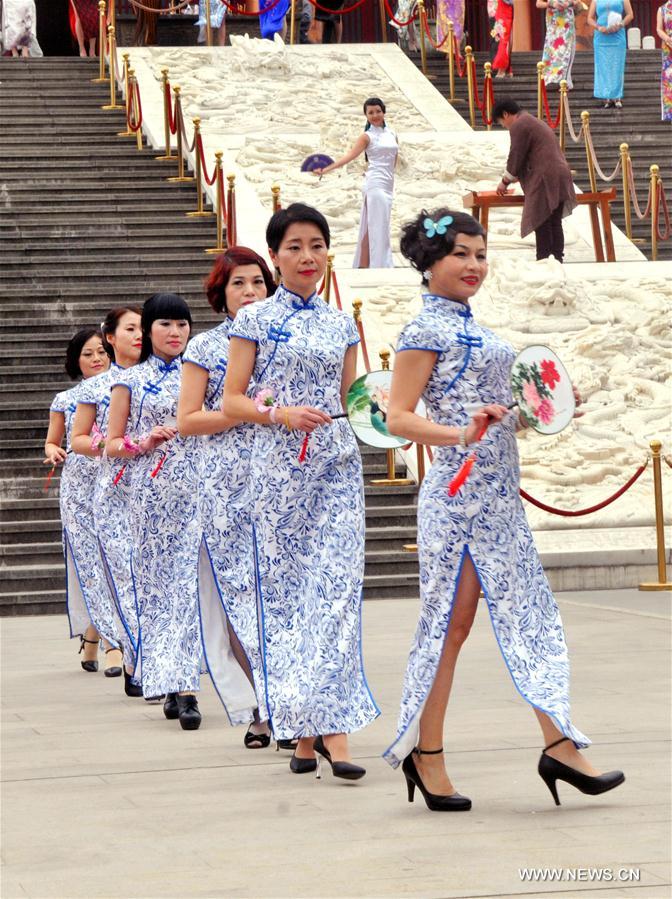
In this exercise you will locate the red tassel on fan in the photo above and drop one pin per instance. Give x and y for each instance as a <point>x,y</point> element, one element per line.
<point>47,481</point>
<point>465,468</point>
<point>119,475</point>
<point>304,448</point>
<point>160,465</point>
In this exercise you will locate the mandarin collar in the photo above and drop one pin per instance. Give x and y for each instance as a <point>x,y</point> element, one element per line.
<point>163,366</point>
<point>454,306</point>
<point>295,300</point>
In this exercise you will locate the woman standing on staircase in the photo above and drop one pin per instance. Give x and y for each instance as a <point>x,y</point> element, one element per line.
<point>84,24</point>
<point>88,599</point>
<point>307,497</point>
<point>122,336</point>
<point>501,33</point>
<point>163,511</point>
<point>479,538</point>
<point>664,29</point>
<point>226,588</point>
<point>610,18</point>
<point>560,41</point>
<point>379,144</point>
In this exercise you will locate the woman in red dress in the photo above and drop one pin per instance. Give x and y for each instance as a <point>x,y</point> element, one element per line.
<point>84,24</point>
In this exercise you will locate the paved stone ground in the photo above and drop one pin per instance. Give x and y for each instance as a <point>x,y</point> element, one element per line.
<point>102,797</point>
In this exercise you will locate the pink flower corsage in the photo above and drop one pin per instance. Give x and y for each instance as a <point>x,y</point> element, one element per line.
<point>265,402</point>
<point>135,447</point>
<point>97,438</point>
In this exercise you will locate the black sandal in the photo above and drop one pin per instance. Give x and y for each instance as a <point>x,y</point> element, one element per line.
<point>289,745</point>
<point>256,741</point>
<point>90,665</point>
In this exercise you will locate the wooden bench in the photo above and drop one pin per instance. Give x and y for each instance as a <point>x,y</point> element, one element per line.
<point>481,202</point>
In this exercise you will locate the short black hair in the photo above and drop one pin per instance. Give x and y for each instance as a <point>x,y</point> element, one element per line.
<point>293,214</point>
<point>374,101</point>
<point>161,305</point>
<point>506,104</point>
<point>421,250</point>
<point>74,350</point>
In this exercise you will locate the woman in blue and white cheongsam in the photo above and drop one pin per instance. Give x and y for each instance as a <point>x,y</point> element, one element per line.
<point>308,516</point>
<point>88,599</point>
<point>163,520</point>
<point>226,588</point>
<point>122,334</point>
<point>480,538</point>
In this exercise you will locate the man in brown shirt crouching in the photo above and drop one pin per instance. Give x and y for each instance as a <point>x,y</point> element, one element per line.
<point>535,159</point>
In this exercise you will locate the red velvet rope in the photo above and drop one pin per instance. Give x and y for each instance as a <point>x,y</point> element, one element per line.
<point>428,33</point>
<point>362,343</point>
<point>204,169</point>
<point>395,20</point>
<point>237,11</point>
<point>662,204</point>
<point>547,109</point>
<point>138,125</point>
<point>459,59</point>
<point>337,292</point>
<point>338,12</point>
<point>221,196</point>
<point>574,514</point>
<point>475,79</point>
<point>232,231</point>
<point>172,123</point>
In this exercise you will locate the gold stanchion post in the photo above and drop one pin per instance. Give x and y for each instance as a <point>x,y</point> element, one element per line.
<point>470,85</point>
<point>232,229</point>
<point>391,480</point>
<point>168,156</point>
<point>655,181</point>
<point>275,192</point>
<point>101,43</point>
<point>180,177</point>
<point>126,57</point>
<point>540,81</point>
<point>292,22</point>
<point>487,98</point>
<point>112,44</point>
<point>563,122</point>
<point>208,24</point>
<point>219,181</point>
<point>327,277</point>
<point>625,162</point>
<point>383,21</point>
<point>663,583</point>
<point>422,18</point>
<point>585,118</point>
<point>451,60</point>
<point>200,212</point>
<point>113,13</point>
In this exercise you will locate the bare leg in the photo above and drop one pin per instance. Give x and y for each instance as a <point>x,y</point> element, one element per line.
<point>566,752</point>
<point>337,744</point>
<point>364,253</point>
<point>90,651</point>
<point>92,46</point>
<point>432,768</point>
<point>304,749</point>
<point>221,35</point>
<point>257,726</point>
<point>15,52</point>
<point>25,52</point>
<point>79,34</point>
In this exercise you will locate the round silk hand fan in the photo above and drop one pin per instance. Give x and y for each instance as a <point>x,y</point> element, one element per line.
<point>315,161</point>
<point>542,390</point>
<point>366,404</point>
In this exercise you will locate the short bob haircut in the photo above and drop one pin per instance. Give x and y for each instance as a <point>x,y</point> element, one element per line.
<point>161,305</point>
<point>111,322</point>
<point>506,104</point>
<point>373,101</point>
<point>423,251</point>
<point>294,214</point>
<point>219,277</point>
<point>74,350</point>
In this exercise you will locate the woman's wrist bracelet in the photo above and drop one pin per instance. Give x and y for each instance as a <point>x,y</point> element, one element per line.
<point>272,414</point>
<point>286,416</point>
<point>462,439</point>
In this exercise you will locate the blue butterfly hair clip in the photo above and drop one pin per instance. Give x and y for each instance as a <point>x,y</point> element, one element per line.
<point>433,228</point>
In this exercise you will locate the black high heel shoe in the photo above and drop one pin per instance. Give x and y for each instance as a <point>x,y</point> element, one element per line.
<point>113,670</point>
<point>170,709</point>
<point>435,803</point>
<point>188,713</point>
<point>131,689</point>
<point>302,766</point>
<point>346,770</point>
<point>87,665</point>
<point>256,741</point>
<point>551,770</point>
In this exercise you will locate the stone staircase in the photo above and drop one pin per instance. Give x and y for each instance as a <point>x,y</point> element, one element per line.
<point>637,124</point>
<point>87,222</point>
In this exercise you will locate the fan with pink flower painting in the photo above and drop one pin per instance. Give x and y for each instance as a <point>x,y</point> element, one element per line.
<point>542,389</point>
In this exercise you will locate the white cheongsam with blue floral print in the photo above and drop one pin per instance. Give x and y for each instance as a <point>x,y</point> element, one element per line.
<point>485,520</point>
<point>88,596</point>
<point>165,534</point>
<point>226,587</point>
<point>308,523</point>
<point>111,511</point>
